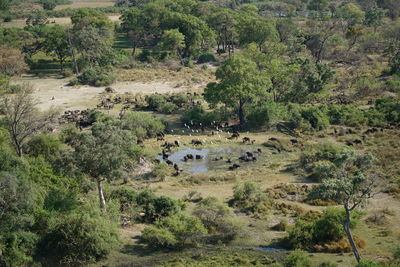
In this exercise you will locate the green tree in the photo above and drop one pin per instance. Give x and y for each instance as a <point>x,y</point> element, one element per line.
<point>103,153</point>
<point>374,17</point>
<point>48,4</point>
<point>318,5</point>
<point>256,30</point>
<point>240,84</point>
<point>223,23</point>
<point>56,43</point>
<point>95,45</point>
<point>5,4</point>
<point>172,41</point>
<point>351,187</point>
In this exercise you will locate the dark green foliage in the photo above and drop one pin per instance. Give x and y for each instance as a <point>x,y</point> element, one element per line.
<point>205,58</point>
<point>97,76</point>
<point>142,125</point>
<point>176,231</point>
<point>306,234</point>
<point>44,145</point>
<point>308,118</point>
<point>389,107</point>
<point>48,4</point>
<point>198,116</point>
<point>348,115</point>
<point>266,115</point>
<point>82,236</point>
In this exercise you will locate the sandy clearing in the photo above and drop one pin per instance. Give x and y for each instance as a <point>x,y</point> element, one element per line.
<point>21,23</point>
<point>80,97</point>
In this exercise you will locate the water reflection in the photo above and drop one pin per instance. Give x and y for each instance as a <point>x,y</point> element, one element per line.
<point>210,158</point>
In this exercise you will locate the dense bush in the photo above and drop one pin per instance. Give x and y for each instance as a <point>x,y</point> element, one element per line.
<point>97,76</point>
<point>142,124</point>
<point>217,218</point>
<point>298,258</point>
<point>205,58</point>
<point>168,108</point>
<point>146,202</point>
<point>389,107</point>
<point>175,231</point>
<point>348,115</point>
<point>198,116</point>
<point>44,145</point>
<point>325,152</point>
<point>266,115</point>
<point>82,236</point>
<point>324,233</point>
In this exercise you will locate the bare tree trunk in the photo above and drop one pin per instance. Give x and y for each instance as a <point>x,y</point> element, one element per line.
<point>101,195</point>
<point>346,226</point>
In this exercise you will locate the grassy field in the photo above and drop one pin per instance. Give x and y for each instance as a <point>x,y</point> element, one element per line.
<point>271,169</point>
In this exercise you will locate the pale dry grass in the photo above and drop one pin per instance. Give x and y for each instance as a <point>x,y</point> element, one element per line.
<point>84,4</point>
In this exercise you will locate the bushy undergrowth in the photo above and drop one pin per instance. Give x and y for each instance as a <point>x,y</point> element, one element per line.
<point>176,231</point>
<point>142,124</point>
<point>97,76</point>
<point>145,206</point>
<point>324,233</point>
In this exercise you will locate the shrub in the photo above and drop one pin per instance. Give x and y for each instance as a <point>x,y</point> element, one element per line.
<point>249,197</point>
<point>298,258</point>
<point>176,231</point>
<point>125,195</point>
<point>324,233</point>
<point>389,107</point>
<point>142,124</point>
<point>44,145</point>
<point>308,118</point>
<point>348,115</point>
<point>204,58</point>
<point>266,115</point>
<point>156,101</point>
<point>160,171</point>
<point>48,4</point>
<point>168,108</point>
<point>18,248</point>
<point>81,237</point>
<point>316,117</point>
<point>325,152</point>
<point>97,76</point>
<point>198,115</point>
<point>156,207</point>
<point>322,170</point>
<point>217,218</point>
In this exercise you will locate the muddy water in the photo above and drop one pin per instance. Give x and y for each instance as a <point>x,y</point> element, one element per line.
<point>208,161</point>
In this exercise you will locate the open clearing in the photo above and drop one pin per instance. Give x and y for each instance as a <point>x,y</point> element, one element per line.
<point>21,23</point>
<point>82,97</point>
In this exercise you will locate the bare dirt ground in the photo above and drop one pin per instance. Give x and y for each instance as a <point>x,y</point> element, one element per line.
<point>20,23</point>
<point>82,97</point>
